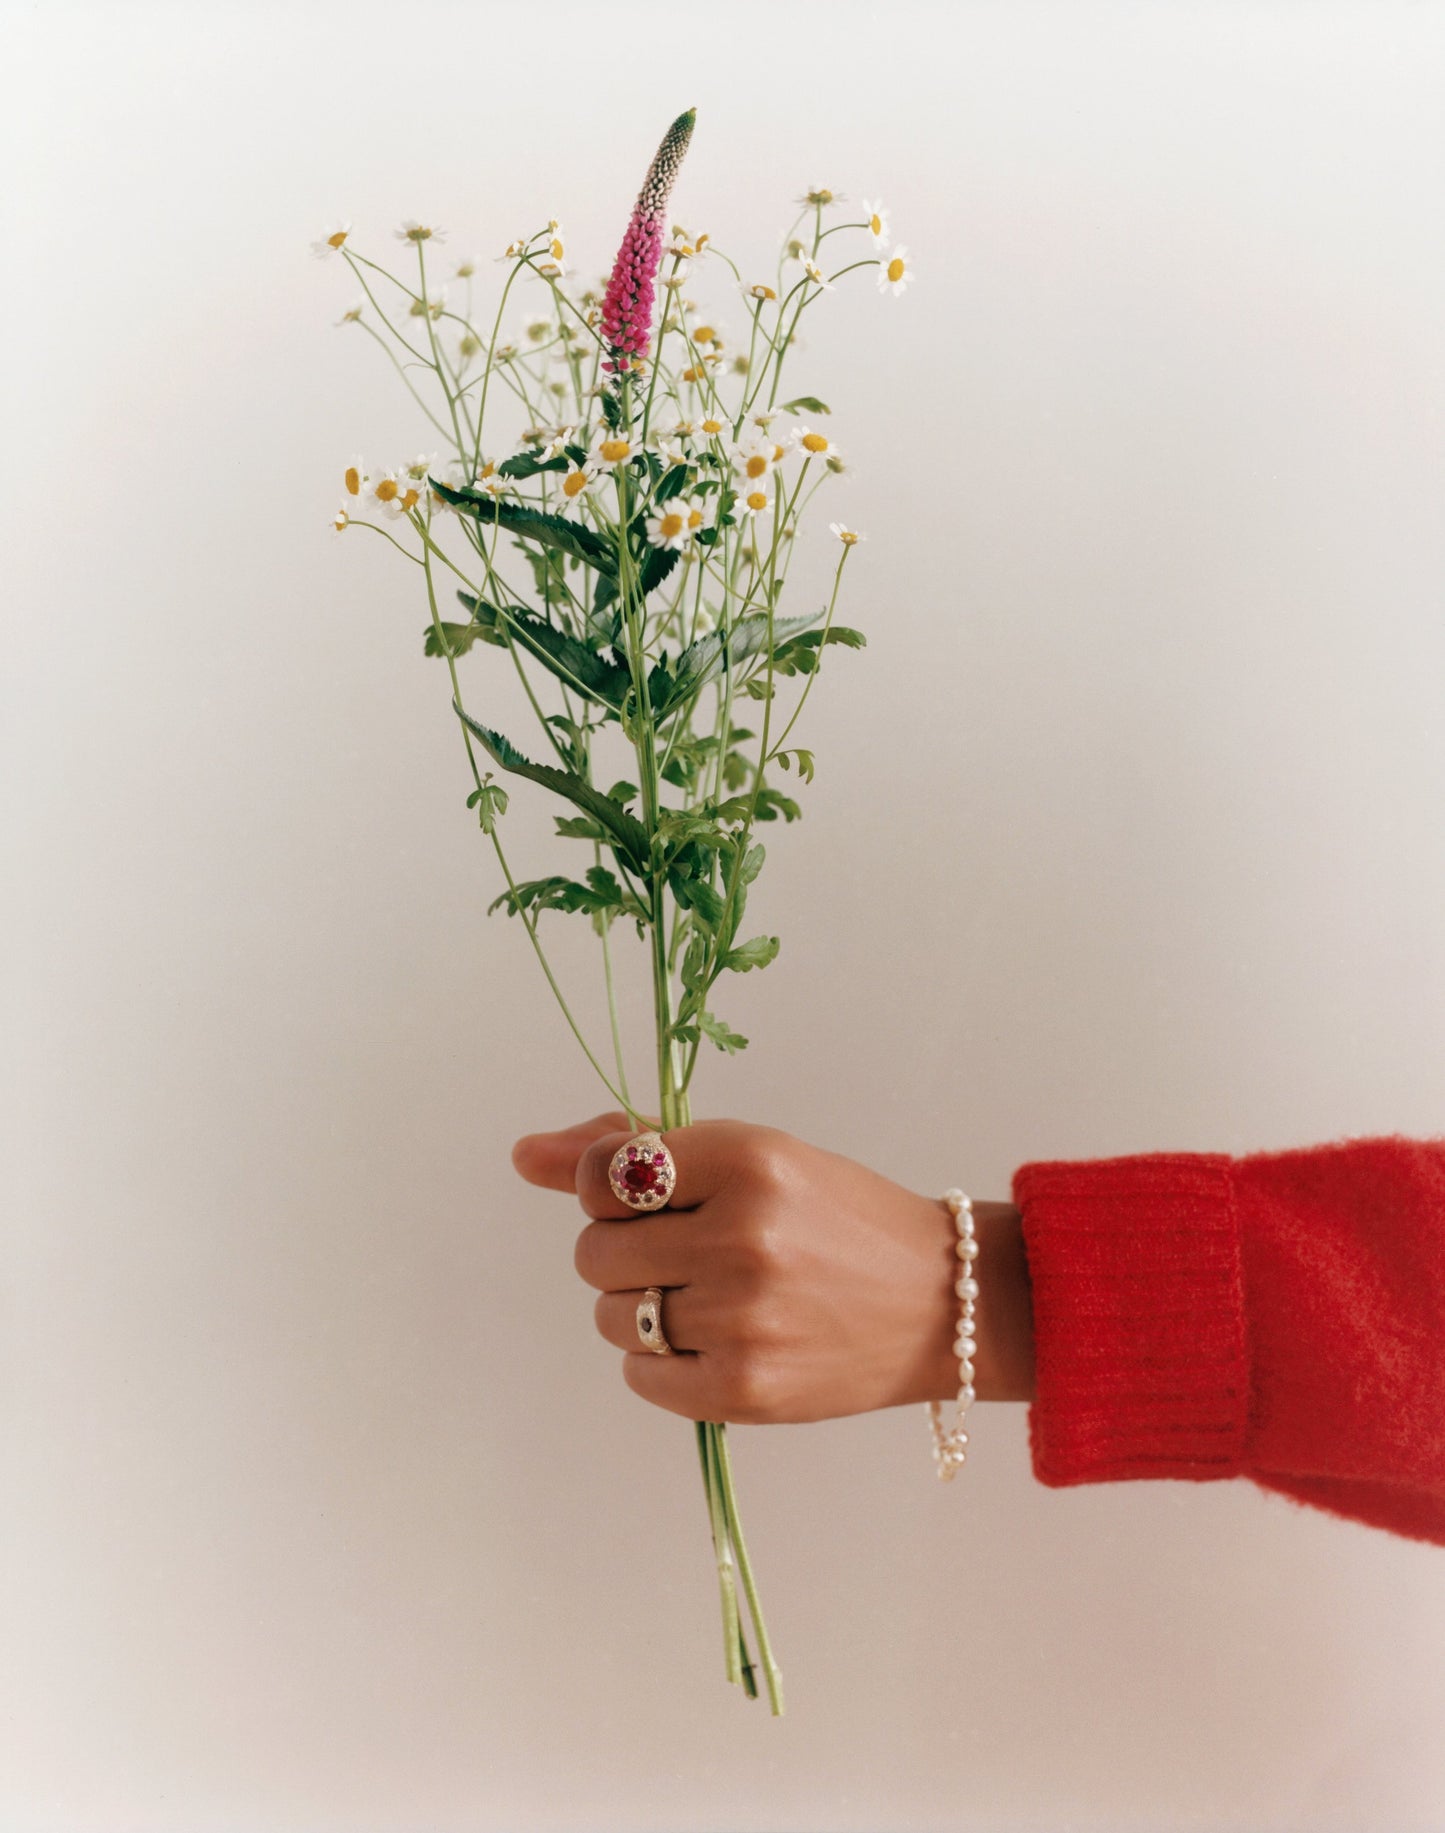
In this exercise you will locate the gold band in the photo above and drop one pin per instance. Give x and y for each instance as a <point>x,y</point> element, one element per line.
<point>649,1323</point>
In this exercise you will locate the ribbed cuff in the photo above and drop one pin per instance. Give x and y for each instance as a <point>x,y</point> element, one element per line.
<point>1141,1360</point>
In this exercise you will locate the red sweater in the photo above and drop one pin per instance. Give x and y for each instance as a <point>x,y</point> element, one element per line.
<point>1279,1317</point>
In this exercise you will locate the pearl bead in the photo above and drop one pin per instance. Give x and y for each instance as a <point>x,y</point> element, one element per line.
<point>964,1348</point>
<point>966,1287</point>
<point>966,1396</point>
<point>967,1249</point>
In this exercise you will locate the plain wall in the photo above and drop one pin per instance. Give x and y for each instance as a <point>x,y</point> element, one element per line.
<point>324,1505</point>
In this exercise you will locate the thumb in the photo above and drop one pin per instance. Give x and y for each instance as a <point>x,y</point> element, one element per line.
<point>550,1159</point>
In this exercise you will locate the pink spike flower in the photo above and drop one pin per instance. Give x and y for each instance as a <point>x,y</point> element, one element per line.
<point>627,308</point>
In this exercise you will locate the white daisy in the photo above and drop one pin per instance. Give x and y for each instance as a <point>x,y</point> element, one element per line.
<point>467,266</point>
<point>577,483</point>
<point>352,314</point>
<point>341,519</point>
<point>414,231</point>
<point>753,456</point>
<point>758,290</point>
<point>752,500</point>
<point>669,525</point>
<point>354,475</point>
<point>848,536</point>
<point>895,273</point>
<point>331,240</point>
<point>817,276</point>
<point>875,216</point>
<point>814,444</point>
<point>712,426</point>
<point>608,448</point>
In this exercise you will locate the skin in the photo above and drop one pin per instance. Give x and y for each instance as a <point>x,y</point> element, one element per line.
<point>798,1285</point>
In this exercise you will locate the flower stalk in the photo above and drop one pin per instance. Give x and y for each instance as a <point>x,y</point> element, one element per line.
<point>626,514</point>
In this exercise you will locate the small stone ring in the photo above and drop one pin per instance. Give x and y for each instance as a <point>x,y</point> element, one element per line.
<point>649,1323</point>
<point>642,1173</point>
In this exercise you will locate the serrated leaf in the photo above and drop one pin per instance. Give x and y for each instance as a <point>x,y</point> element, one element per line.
<point>752,863</point>
<point>757,952</point>
<point>548,531</point>
<point>687,1032</point>
<point>721,1035</point>
<point>702,660</point>
<point>626,830</point>
<point>805,404</point>
<point>573,663</point>
<point>527,464</point>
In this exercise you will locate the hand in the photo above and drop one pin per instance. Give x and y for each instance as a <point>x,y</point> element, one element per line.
<point>797,1284</point>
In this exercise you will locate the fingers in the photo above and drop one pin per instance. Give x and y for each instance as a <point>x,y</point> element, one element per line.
<point>550,1159</point>
<point>656,1250</point>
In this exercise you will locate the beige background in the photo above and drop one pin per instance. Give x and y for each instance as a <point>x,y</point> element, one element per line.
<point>324,1506</point>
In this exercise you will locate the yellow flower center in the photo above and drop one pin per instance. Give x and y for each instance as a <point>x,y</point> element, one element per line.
<point>756,466</point>
<point>671,525</point>
<point>386,490</point>
<point>847,536</point>
<point>353,480</point>
<point>573,484</point>
<point>780,453</point>
<point>895,269</point>
<point>712,427</point>
<point>693,374</point>
<point>614,450</point>
<point>555,248</point>
<point>704,334</point>
<point>757,499</point>
<point>875,223</point>
<point>763,292</point>
<point>341,519</point>
<point>694,518</point>
<point>335,241</point>
<point>487,469</point>
<point>411,497</point>
<point>815,442</point>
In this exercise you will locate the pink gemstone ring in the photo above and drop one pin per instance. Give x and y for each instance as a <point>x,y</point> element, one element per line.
<point>642,1173</point>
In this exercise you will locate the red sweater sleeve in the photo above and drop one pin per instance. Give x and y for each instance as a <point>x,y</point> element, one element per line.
<point>1279,1317</point>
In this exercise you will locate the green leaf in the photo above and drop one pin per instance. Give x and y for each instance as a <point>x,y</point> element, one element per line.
<point>578,827</point>
<point>626,830</point>
<point>755,953</point>
<point>702,661</point>
<point>803,759</point>
<point>696,895</point>
<point>688,1033</point>
<point>772,803</point>
<point>490,801</point>
<point>720,1034</point>
<point>540,894</point>
<point>656,567</point>
<point>673,483</point>
<point>752,863</point>
<point>548,531</point>
<point>527,464</point>
<point>693,963</point>
<point>458,638</point>
<point>805,404</point>
<point>574,663</point>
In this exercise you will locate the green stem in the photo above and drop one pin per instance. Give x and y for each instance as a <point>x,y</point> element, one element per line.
<point>770,1667</point>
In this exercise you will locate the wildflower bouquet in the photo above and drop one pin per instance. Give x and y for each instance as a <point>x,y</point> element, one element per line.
<point>629,552</point>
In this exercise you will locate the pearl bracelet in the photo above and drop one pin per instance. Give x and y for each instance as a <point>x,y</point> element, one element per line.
<point>950,1448</point>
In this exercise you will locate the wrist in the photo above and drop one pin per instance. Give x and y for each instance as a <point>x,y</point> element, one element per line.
<point>1003,1313</point>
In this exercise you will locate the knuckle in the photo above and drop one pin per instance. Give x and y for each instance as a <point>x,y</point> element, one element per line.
<point>751,1389</point>
<point>767,1161</point>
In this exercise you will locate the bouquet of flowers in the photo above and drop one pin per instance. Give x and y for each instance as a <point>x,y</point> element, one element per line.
<point>628,546</point>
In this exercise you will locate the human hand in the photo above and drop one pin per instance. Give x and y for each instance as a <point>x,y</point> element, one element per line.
<point>798,1284</point>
